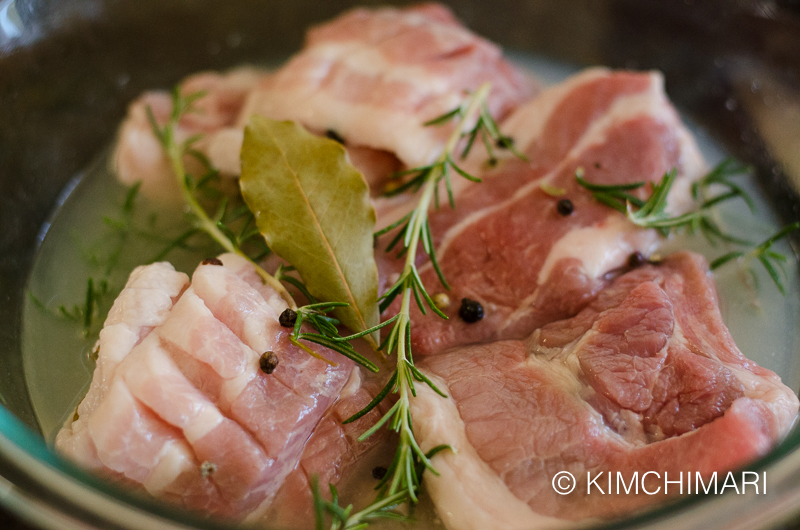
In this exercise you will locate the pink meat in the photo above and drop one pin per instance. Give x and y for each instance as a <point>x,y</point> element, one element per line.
<point>375,76</point>
<point>139,157</point>
<point>330,451</point>
<point>646,378</point>
<point>185,411</point>
<point>143,304</point>
<point>505,244</point>
<point>372,77</point>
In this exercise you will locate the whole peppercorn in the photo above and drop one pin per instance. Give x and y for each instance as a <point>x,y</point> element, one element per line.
<point>379,472</point>
<point>288,318</point>
<point>333,135</point>
<point>470,310</point>
<point>636,259</point>
<point>268,362</point>
<point>565,207</point>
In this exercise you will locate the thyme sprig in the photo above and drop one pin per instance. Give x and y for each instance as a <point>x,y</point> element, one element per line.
<point>175,151</point>
<point>651,212</point>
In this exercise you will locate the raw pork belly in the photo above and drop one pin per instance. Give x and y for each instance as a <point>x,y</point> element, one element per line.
<point>646,377</point>
<point>376,76</point>
<point>329,452</point>
<point>372,77</point>
<point>178,403</point>
<point>139,157</point>
<point>505,244</point>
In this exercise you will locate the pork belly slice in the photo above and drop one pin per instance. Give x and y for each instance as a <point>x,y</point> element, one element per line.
<point>375,76</point>
<point>329,454</point>
<point>507,246</point>
<point>646,378</point>
<point>186,413</point>
<point>370,78</point>
<point>138,155</point>
<point>143,304</point>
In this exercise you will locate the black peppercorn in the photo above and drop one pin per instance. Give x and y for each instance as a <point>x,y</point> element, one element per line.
<point>470,310</point>
<point>268,362</point>
<point>211,261</point>
<point>636,259</point>
<point>565,207</point>
<point>379,472</point>
<point>288,318</point>
<point>333,135</point>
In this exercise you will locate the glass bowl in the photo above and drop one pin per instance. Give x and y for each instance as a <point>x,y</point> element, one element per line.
<point>68,69</point>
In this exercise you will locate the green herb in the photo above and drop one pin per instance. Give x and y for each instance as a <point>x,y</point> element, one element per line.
<point>721,175</point>
<point>218,226</point>
<point>84,314</point>
<point>98,292</point>
<point>651,212</point>
<point>383,508</point>
<point>485,128</point>
<point>316,314</point>
<point>313,208</point>
<point>345,519</point>
<point>402,478</point>
<point>175,151</point>
<point>768,258</point>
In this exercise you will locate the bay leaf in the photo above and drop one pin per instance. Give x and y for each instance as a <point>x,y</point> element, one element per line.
<point>313,208</point>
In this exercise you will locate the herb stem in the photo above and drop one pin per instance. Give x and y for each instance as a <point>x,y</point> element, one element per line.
<point>403,475</point>
<point>175,152</point>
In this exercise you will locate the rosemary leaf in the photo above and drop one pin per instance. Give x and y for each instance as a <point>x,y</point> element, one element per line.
<point>651,213</point>
<point>175,153</point>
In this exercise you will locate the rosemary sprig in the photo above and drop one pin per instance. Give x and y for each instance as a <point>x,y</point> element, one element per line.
<point>316,314</point>
<point>383,508</point>
<point>768,258</point>
<point>218,227</point>
<point>401,475</point>
<point>484,127</point>
<point>345,519</point>
<point>99,287</point>
<point>84,314</point>
<point>211,225</point>
<point>721,175</point>
<point>651,213</point>
<point>402,480</point>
